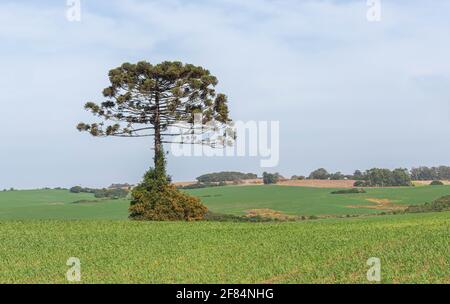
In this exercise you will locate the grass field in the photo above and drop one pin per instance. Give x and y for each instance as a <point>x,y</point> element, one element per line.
<point>41,229</point>
<point>58,204</point>
<point>412,249</point>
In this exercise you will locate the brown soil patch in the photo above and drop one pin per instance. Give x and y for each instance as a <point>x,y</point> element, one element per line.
<point>380,204</point>
<point>270,214</point>
<point>315,183</point>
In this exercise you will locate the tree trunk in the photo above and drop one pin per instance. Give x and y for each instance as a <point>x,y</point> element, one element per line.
<point>159,153</point>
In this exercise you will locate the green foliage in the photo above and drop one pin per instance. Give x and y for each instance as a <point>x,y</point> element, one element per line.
<point>349,191</point>
<point>271,178</point>
<point>111,193</point>
<point>79,189</point>
<point>337,176</point>
<point>358,175</point>
<point>203,185</point>
<point>155,96</point>
<point>436,183</point>
<point>439,205</point>
<point>155,199</point>
<point>298,177</point>
<point>385,178</point>
<point>319,174</point>
<point>360,183</point>
<point>225,177</point>
<point>433,173</point>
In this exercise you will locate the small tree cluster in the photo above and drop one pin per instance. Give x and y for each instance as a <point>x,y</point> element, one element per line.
<point>385,178</point>
<point>271,178</point>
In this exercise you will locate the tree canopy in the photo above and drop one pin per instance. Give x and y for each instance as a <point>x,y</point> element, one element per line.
<point>146,100</point>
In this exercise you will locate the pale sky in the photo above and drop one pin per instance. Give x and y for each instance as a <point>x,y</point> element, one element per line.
<point>349,94</point>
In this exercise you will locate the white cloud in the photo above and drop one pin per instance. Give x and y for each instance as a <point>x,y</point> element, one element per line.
<point>342,87</point>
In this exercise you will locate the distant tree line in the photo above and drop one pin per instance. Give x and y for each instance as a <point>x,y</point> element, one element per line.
<point>218,177</point>
<point>420,173</point>
<point>377,177</point>
<point>101,193</point>
<point>433,173</point>
<point>323,174</point>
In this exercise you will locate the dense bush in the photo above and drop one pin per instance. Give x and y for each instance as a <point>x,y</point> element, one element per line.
<point>349,191</point>
<point>271,178</point>
<point>155,199</point>
<point>439,205</point>
<point>225,177</point>
<point>436,183</point>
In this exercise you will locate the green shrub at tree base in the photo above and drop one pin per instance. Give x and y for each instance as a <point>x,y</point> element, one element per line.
<point>155,199</point>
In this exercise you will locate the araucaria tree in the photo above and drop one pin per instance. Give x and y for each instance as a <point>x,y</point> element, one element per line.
<point>160,101</point>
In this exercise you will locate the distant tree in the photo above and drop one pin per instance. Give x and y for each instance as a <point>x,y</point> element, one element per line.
<point>319,174</point>
<point>401,177</point>
<point>337,176</point>
<point>298,177</point>
<point>271,178</point>
<point>358,175</point>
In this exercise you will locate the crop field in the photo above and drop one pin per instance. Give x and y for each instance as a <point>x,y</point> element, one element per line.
<point>41,229</point>
<point>61,204</point>
<point>412,249</point>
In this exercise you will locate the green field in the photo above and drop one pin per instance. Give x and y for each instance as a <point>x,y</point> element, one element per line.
<point>41,229</point>
<point>59,204</point>
<point>412,249</point>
